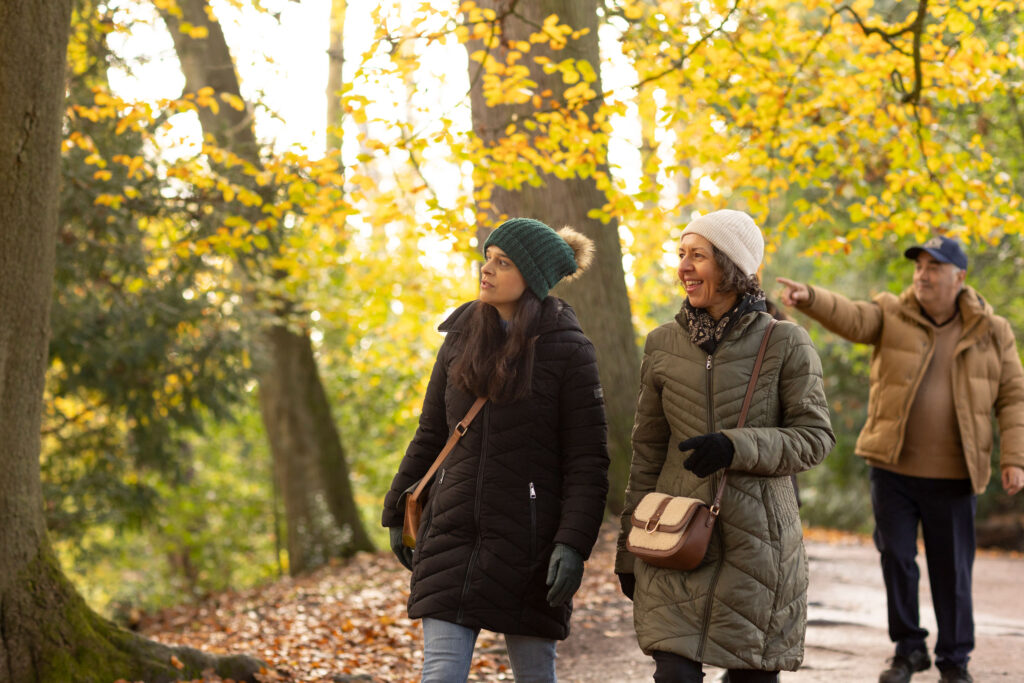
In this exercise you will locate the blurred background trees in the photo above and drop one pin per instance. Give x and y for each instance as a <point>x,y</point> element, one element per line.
<point>242,326</point>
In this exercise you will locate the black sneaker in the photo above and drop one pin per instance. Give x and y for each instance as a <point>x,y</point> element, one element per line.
<point>956,675</point>
<point>902,667</point>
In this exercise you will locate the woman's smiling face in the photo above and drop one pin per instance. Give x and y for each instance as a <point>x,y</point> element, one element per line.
<point>701,276</point>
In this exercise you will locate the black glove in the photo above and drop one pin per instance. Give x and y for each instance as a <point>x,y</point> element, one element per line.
<point>627,582</point>
<point>711,452</point>
<point>565,573</point>
<point>401,551</point>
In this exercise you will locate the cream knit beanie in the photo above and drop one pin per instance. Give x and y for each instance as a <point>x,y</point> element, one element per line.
<point>735,234</point>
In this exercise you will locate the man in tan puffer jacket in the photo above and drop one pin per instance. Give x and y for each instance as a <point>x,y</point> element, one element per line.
<point>942,362</point>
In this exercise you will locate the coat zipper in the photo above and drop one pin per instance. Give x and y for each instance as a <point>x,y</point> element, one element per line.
<point>533,522</point>
<point>476,512</point>
<point>436,489</point>
<point>711,414</point>
<point>711,594</point>
<point>721,553</point>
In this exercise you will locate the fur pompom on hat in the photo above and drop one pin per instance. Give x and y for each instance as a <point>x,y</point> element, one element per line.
<point>735,234</point>
<point>542,255</point>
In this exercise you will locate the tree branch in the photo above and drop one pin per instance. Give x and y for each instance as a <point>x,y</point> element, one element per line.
<point>1018,117</point>
<point>915,27</point>
<point>919,134</point>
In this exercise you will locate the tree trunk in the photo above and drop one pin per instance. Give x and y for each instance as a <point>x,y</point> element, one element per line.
<point>309,460</point>
<point>47,632</point>
<point>599,297</point>
<point>335,77</point>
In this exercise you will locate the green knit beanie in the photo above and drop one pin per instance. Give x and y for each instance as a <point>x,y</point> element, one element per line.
<point>540,253</point>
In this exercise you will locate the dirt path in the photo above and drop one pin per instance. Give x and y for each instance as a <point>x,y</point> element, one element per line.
<point>846,636</point>
<point>348,623</point>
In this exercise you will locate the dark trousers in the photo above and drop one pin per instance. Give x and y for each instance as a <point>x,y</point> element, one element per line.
<point>945,510</point>
<point>671,668</point>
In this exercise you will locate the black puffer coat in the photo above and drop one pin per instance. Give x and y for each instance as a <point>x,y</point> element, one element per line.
<point>525,475</point>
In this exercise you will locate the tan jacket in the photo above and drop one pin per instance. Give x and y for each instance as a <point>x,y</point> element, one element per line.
<point>745,606</point>
<point>987,373</point>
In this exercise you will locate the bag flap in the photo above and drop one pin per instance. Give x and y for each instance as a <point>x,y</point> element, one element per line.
<point>676,514</point>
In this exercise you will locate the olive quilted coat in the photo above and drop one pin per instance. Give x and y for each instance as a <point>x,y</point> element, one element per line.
<point>525,475</point>
<point>745,605</point>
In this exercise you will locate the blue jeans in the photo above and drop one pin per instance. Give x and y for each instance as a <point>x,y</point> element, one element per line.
<point>448,653</point>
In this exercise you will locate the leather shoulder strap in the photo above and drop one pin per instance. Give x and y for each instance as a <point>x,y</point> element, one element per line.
<point>460,429</point>
<point>746,403</point>
<point>757,371</point>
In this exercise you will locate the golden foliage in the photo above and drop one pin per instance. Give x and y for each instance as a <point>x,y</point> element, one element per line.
<point>810,115</point>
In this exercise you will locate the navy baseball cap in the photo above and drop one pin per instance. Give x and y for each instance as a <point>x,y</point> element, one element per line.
<point>944,249</point>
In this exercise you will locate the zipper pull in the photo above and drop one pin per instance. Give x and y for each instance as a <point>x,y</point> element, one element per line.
<point>440,477</point>
<point>709,362</point>
<point>533,491</point>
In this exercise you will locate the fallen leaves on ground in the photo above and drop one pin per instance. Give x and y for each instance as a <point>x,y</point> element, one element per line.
<point>347,622</point>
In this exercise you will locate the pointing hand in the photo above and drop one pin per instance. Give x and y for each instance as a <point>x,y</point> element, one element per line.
<point>795,293</point>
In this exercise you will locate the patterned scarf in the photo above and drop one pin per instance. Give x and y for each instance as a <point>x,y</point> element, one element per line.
<point>705,331</point>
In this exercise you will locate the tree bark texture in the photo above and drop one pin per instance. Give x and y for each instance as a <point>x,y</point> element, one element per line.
<point>49,635</point>
<point>47,632</point>
<point>599,297</point>
<point>33,41</point>
<point>309,460</point>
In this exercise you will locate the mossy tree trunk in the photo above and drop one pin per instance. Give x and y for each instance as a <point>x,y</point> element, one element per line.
<point>310,465</point>
<point>47,632</point>
<point>599,297</point>
<point>49,635</point>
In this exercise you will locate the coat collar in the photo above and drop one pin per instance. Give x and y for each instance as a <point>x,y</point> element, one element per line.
<point>974,310</point>
<point>738,325</point>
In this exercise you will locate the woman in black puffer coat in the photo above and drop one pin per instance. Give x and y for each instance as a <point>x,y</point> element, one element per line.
<point>516,507</point>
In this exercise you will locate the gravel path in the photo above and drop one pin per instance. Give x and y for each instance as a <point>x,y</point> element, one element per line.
<point>846,635</point>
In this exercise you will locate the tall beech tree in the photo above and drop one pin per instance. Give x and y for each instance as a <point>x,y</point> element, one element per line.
<point>550,108</point>
<point>309,459</point>
<point>47,632</point>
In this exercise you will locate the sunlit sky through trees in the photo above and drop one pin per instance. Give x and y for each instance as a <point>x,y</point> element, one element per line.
<point>281,58</point>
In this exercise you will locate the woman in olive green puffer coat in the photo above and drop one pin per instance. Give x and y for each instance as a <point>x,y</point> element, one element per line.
<point>744,608</point>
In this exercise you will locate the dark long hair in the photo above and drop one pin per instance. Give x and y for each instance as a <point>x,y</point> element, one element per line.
<point>494,362</point>
<point>734,279</point>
